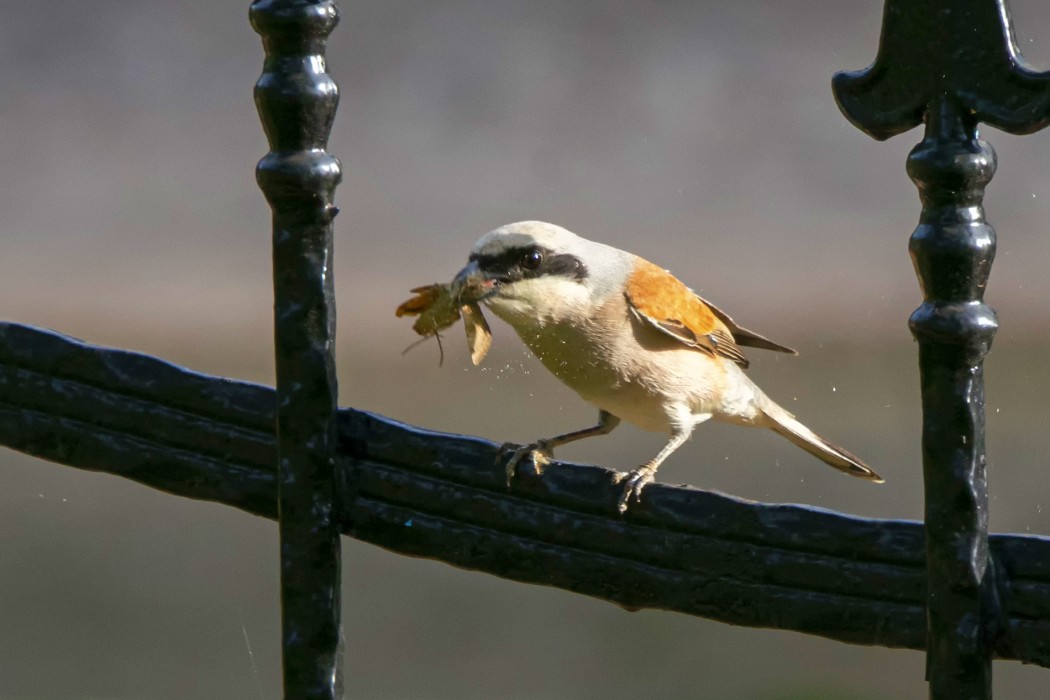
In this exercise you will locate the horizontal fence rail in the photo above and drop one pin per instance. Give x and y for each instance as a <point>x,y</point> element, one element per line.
<point>443,496</point>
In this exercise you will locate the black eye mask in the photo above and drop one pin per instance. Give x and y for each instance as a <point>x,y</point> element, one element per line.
<point>523,263</point>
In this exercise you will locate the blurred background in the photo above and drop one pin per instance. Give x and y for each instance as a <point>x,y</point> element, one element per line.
<point>702,135</point>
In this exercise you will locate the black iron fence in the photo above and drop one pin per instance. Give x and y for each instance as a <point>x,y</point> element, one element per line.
<point>944,585</point>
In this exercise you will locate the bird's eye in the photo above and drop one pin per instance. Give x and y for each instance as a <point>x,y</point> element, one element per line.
<point>532,259</point>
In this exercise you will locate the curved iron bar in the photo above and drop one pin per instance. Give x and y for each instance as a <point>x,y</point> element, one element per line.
<point>444,497</point>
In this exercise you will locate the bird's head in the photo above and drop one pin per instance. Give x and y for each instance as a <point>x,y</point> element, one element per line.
<point>534,273</point>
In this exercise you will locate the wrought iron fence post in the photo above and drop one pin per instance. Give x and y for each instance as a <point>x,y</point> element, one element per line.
<point>953,248</point>
<point>952,64</point>
<point>297,100</point>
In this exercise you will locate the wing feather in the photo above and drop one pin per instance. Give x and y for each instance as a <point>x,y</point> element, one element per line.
<point>660,299</point>
<point>742,335</point>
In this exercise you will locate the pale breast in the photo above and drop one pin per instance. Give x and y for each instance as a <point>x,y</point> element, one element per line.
<point>623,366</point>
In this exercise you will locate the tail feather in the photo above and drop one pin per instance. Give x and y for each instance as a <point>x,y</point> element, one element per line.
<point>785,424</point>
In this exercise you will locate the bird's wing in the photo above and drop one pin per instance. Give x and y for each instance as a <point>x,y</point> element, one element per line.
<point>657,297</point>
<point>742,335</point>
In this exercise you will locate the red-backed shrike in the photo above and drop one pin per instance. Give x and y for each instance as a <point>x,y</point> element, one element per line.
<point>630,339</point>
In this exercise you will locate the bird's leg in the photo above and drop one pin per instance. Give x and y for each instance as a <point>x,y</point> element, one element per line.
<point>634,481</point>
<point>542,450</point>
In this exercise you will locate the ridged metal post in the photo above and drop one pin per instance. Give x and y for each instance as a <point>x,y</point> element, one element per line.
<point>953,248</point>
<point>952,64</point>
<point>297,100</point>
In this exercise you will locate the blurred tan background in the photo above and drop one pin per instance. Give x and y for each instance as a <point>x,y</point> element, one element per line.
<point>702,135</point>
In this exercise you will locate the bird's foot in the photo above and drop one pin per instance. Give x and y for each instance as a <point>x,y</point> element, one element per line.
<point>633,483</point>
<point>539,451</point>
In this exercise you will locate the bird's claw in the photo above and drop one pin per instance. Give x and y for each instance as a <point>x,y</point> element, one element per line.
<point>539,451</point>
<point>633,483</point>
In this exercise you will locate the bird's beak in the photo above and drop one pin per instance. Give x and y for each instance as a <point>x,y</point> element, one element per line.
<point>471,283</point>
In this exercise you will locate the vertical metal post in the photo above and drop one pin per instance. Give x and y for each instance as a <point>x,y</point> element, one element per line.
<point>953,248</point>
<point>297,99</point>
<point>951,64</point>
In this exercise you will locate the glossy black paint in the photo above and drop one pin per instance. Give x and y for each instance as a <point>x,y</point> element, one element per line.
<point>297,99</point>
<point>952,64</point>
<point>444,497</point>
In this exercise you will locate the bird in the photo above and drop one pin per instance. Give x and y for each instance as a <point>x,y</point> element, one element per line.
<point>630,339</point>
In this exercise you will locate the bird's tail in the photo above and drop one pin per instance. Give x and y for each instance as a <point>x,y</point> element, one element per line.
<point>785,424</point>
